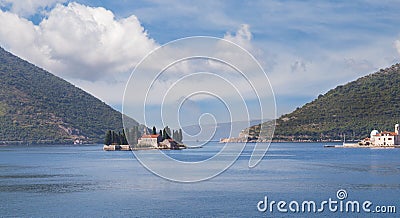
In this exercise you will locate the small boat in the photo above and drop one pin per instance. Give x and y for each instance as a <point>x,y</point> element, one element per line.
<point>337,146</point>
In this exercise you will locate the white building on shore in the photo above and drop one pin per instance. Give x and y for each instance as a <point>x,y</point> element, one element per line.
<point>384,138</point>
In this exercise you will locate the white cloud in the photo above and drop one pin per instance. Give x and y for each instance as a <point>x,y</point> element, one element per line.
<point>77,41</point>
<point>305,52</point>
<point>96,52</point>
<point>26,8</point>
<point>242,37</point>
<point>201,76</point>
<point>298,75</point>
<point>20,36</point>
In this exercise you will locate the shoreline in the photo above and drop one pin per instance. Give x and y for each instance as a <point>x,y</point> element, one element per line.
<point>188,147</point>
<point>362,146</point>
<point>129,148</point>
<point>281,141</point>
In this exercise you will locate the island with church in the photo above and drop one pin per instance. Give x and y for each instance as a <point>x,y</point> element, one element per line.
<point>384,139</point>
<point>133,139</point>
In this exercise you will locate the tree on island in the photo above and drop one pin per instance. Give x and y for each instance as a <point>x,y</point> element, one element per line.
<point>166,133</point>
<point>123,139</point>
<point>180,136</point>
<point>177,135</point>
<point>113,138</point>
<point>154,130</point>
<point>108,140</point>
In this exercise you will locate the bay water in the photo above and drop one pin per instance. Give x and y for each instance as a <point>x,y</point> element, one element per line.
<point>85,181</point>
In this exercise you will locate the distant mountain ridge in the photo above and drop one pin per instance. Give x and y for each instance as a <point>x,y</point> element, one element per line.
<point>215,132</point>
<point>355,109</point>
<point>38,107</point>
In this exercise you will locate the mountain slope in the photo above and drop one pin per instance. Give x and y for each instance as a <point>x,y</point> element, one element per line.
<point>218,131</point>
<point>354,109</point>
<point>38,107</point>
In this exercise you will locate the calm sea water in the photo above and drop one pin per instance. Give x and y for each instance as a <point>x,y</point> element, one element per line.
<point>84,181</point>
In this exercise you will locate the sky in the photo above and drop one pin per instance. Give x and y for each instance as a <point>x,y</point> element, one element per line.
<point>305,47</point>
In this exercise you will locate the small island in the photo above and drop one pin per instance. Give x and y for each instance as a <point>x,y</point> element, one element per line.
<point>148,140</point>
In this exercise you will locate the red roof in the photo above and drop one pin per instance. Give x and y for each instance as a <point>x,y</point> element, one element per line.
<point>150,136</point>
<point>386,132</point>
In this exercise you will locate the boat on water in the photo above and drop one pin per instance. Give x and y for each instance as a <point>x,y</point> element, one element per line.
<point>337,146</point>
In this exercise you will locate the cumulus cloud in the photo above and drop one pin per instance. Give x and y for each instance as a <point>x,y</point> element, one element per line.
<point>242,36</point>
<point>77,41</point>
<point>94,50</point>
<point>20,36</point>
<point>91,48</point>
<point>26,8</point>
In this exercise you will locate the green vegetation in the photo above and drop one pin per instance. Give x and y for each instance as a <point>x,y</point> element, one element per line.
<point>38,107</point>
<point>113,138</point>
<point>175,134</point>
<point>3,109</point>
<point>133,134</point>
<point>354,109</point>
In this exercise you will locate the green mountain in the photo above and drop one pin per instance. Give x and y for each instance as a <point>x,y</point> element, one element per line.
<point>353,109</point>
<point>38,107</point>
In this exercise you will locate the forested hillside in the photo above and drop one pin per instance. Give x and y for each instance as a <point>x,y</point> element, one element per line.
<point>354,109</point>
<point>38,107</point>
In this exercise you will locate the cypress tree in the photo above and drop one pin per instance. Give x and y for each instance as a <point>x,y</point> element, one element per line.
<point>168,132</point>
<point>154,130</point>
<point>115,138</point>
<point>174,135</point>
<point>135,135</point>
<point>124,141</point>
<point>107,139</point>
<point>112,137</point>
<point>164,134</point>
<point>119,142</point>
<point>128,135</point>
<point>180,136</point>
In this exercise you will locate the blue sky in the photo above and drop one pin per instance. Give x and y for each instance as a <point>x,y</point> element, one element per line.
<point>305,47</point>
